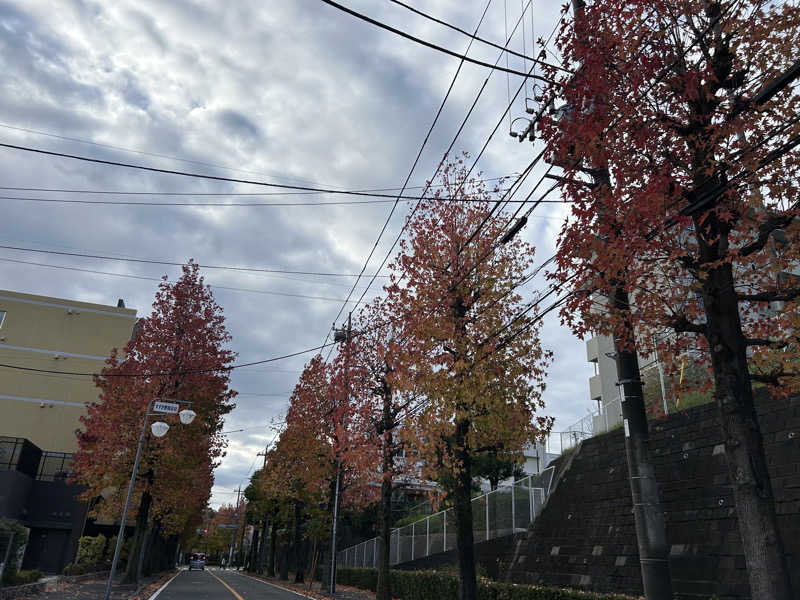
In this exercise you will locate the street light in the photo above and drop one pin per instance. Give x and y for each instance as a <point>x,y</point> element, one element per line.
<point>159,429</point>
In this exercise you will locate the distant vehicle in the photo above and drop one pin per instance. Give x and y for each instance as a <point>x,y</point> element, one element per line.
<point>197,561</point>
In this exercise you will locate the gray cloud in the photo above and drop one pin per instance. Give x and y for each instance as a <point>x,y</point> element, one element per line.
<point>293,92</point>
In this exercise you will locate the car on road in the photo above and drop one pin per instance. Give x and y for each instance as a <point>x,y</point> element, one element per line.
<point>197,561</point>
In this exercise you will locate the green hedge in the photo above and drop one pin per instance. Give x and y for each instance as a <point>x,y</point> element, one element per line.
<point>432,585</point>
<point>23,577</point>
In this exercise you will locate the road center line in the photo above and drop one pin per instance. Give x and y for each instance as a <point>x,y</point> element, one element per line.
<point>230,589</point>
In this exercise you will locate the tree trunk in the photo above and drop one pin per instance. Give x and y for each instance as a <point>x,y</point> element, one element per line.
<point>132,568</point>
<point>383,589</point>
<point>299,555</point>
<point>744,446</point>
<point>262,550</point>
<point>285,553</point>
<point>468,585</point>
<point>273,542</point>
<point>252,560</point>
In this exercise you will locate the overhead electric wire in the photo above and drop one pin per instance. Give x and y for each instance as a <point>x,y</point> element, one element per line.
<point>479,39</point>
<point>158,279</point>
<point>177,264</point>
<point>447,152</point>
<point>408,178</point>
<point>408,36</point>
<point>171,373</point>
<point>206,176</point>
<point>256,194</point>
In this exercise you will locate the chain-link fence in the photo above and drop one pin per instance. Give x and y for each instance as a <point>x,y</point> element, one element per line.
<point>508,509</point>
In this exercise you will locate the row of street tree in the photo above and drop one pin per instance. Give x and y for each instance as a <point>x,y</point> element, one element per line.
<point>430,379</point>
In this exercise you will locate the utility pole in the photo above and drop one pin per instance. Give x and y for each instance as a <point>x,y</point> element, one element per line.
<point>338,337</point>
<point>233,537</point>
<point>651,533</point>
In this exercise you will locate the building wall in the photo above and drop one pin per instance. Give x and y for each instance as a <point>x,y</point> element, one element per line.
<point>53,334</point>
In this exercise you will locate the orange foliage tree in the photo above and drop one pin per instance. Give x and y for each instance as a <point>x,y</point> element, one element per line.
<point>179,352</point>
<point>477,361</point>
<point>689,104</point>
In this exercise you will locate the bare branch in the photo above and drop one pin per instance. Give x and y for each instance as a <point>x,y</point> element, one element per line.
<point>773,222</point>
<point>786,296</point>
<point>766,342</point>
<point>773,378</point>
<point>683,325</point>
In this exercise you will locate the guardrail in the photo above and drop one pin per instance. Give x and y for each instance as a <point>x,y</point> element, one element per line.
<point>509,509</point>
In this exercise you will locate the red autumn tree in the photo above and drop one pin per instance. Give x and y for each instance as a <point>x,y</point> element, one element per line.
<point>381,392</point>
<point>476,355</point>
<point>685,102</point>
<point>178,352</point>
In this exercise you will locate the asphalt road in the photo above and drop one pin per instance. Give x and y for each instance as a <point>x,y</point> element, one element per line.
<point>214,584</point>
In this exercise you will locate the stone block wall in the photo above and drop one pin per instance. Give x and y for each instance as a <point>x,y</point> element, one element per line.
<point>585,536</point>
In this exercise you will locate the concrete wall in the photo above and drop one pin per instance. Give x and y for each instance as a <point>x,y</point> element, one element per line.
<point>585,535</point>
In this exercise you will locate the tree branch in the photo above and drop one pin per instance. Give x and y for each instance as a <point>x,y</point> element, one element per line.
<point>787,296</point>
<point>766,342</point>
<point>773,222</point>
<point>683,325</point>
<point>773,378</point>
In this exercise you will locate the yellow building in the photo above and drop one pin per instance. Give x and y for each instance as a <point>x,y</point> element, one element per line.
<point>53,334</point>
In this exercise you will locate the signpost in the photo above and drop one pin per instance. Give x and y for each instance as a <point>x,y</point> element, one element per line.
<point>165,406</point>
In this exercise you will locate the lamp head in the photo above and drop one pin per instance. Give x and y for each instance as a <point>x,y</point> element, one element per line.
<point>187,416</point>
<point>159,429</point>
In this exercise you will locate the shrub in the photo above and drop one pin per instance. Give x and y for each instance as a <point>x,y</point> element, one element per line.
<point>90,550</point>
<point>23,577</point>
<point>432,585</point>
<point>18,534</point>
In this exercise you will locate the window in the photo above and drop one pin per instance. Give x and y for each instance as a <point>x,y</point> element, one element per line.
<point>10,450</point>
<point>54,466</point>
<point>2,317</point>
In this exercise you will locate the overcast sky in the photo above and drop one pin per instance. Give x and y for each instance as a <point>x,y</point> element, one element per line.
<point>289,91</point>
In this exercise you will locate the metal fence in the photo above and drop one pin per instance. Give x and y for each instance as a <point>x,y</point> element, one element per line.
<point>608,416</point>
<point>509,509</point>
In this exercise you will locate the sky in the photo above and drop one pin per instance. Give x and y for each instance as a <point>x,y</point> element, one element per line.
<point>289,92</point>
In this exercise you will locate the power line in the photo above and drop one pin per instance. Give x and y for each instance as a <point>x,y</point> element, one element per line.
<point>177,264</point>
<point>192,204</point>
<point>458,133</point>
<point>408,36</point>
<point>408,178</point>
<point>204,194</point>
<point>170,373</point>
<point>475,37</point>
<point>213,177</point>
<point>157,279</point>
<point>114,163</point>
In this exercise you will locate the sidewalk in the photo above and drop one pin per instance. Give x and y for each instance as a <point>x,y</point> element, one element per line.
<point>95,589</point>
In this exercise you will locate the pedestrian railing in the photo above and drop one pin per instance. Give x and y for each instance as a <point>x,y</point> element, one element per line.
<point>509,509</point>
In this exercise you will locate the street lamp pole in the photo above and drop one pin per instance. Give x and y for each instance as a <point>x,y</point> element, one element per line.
<point>131,485</point>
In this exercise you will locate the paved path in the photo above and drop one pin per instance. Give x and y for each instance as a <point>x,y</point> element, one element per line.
<point>213,584</point>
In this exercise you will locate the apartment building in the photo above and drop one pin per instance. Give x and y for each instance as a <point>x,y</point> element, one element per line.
<point>41,410</point>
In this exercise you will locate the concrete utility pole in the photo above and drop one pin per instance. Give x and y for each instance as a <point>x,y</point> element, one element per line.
<point>233,537</point>
<point>651,533</point>
<point>338,337</point>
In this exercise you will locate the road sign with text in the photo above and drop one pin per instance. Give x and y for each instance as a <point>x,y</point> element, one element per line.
<point>164,406</point>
